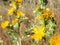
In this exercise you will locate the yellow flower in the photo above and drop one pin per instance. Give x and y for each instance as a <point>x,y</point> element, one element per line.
<point>19,0</point>
<point>13,4</point>
<point>55,40</point>
<point>20,14</point>
<point>39,32</point>
<point>10,11</point>
<point>5,24</point>
<point>14,21</point>
<point>47,12</point>
<point>40,17</point>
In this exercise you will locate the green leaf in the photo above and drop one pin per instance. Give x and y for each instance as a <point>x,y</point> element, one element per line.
<point>12,32</point>
<point>40,10</point>
<point>49,33</point>
<point>42,23</point>
<point>52,24</point>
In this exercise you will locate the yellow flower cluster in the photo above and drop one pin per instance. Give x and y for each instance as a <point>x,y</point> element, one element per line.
<point>47,13</point>
<point>39,32</point>
<point>13,4</point>
<point>40,17</point>
<point>20,14</point>
<point>55,40</point>
<point>13,10</point>
<point>10,11</point>
<point>5,24</point>
<point>14,21</point>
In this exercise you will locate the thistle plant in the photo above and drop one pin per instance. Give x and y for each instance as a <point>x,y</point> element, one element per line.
<point>15,19</point>
<point>42,28</point>
<point>46,20</point>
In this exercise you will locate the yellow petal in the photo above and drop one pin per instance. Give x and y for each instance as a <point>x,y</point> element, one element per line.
<point>19,0</point>
<point>20,14</point>
<point>10,11</point>
<point>14,21</point>
<point>4,24</point>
